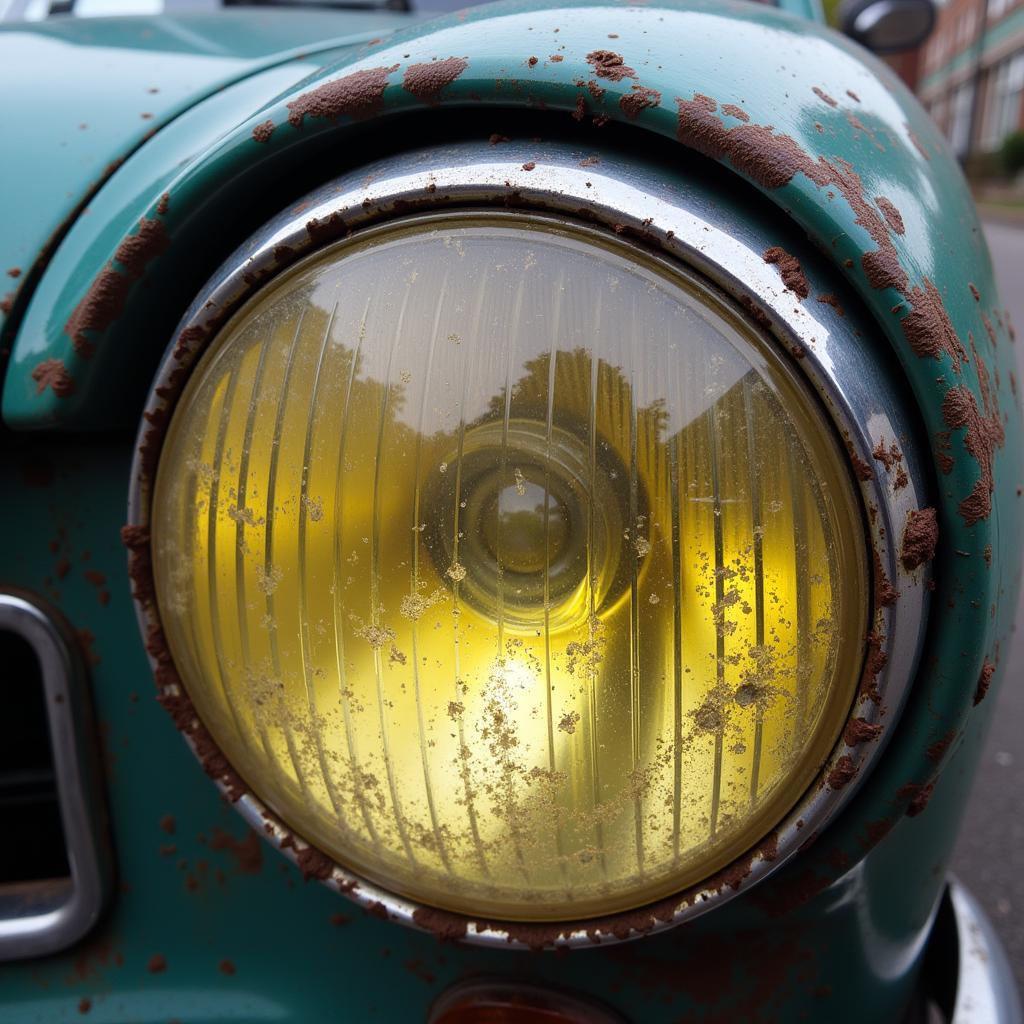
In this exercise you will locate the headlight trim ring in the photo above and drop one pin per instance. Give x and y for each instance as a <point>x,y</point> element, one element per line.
<point>685,226</point>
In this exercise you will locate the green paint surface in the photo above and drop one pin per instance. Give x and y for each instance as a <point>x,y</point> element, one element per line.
<point>849,950</point>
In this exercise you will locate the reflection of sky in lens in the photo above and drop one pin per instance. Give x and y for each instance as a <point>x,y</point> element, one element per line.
<point>543,294</point>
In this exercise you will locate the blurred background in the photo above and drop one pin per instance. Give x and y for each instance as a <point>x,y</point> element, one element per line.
<point>969,75</point>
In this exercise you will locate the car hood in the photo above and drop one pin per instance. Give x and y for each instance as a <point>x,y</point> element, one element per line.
<point>83,94</point>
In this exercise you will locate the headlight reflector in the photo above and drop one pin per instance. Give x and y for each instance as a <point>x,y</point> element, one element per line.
<point>510,566</point>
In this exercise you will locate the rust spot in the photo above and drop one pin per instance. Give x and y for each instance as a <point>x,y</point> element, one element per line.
<point>942,455</point>
<point>853,96</point>
<point>529,165</point>
<point>157,964</point>
<point>937,751</point>
<point>893,217</point>
<point>858,125</point>
<point>738,112</point>
<point>918,794</point>
<point>886,594</point>
<point>822,95</point>
<point>447,927</point>
<point>610,65</point>
<point>640,98</point>
<point>984,434</point>
<point>425,81</point>
<point>875,659</point>
<point>759,316</point>
<point>920,537</point>
<point>227,967</point>
<point>14,272</point>
<point>984,681</point>
<point>86,641</point>
<point>495,139</point>
<point>989,330</point>
<point>84,1005</point>
<point>263,131</point>
<point>888,457</point>
<point>974,291</point>
<point>860,731</point>
<point>168,824</point>
<point>53,374</point>
<point>861,470</point>
<point>312,863</point>
<point>789,269</point>
<point>357,95</point>
<point>532,61</point>
<point>581,109</point>
<point>875,832</point>
<point>105,299</point>
<point>927,326</point>
<point>247,852</point>
<point>828,299</point>
<point>843,772</point>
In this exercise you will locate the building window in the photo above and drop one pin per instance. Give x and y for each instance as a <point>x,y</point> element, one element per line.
<point>960,122</point>
<point>1002,115</point>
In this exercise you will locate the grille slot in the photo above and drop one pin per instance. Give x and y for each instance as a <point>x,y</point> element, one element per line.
<point>29,803</point>
<point>55,865</point>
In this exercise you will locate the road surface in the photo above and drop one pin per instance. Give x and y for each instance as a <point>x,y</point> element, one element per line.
<point>989,857</point>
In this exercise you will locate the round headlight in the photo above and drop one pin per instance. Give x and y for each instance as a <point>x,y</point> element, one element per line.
<point>510,565</point>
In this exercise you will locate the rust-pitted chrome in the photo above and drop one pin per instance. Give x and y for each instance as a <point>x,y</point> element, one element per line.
<point>679,220</point>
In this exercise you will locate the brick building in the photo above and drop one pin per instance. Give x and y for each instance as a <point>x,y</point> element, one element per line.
<point>972,73</point>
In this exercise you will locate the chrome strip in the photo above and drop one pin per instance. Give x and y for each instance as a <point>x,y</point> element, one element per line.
<point>985,988</point>
<point>37,918</point>
<point>683,219</point>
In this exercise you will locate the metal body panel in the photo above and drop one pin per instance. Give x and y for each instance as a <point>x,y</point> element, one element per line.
<point>202,889</point>
<point>837,934</point>
<point>86,93</point>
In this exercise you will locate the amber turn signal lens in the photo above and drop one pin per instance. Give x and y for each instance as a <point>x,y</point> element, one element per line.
<point>512,567</point>
<point>509,1002</point>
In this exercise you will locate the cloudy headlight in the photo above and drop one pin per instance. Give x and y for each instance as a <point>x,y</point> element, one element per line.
<point>511,567</point>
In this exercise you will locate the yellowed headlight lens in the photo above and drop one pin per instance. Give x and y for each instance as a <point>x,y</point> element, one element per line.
<point>511,568</point>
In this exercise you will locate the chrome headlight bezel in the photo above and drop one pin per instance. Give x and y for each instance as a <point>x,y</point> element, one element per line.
<point>682,224</point>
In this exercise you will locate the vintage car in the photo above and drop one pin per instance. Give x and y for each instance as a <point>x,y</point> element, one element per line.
<point>559,463</point>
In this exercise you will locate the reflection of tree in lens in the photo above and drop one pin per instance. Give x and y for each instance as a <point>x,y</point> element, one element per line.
<point>510,595</point>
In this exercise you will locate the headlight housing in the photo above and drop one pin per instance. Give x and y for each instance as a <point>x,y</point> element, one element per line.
<point>510,564</point>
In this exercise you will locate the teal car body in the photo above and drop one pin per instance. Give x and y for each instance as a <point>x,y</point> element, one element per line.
<point>208,126</point>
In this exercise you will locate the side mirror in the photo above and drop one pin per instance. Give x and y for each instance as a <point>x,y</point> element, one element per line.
<point>887,26</point>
